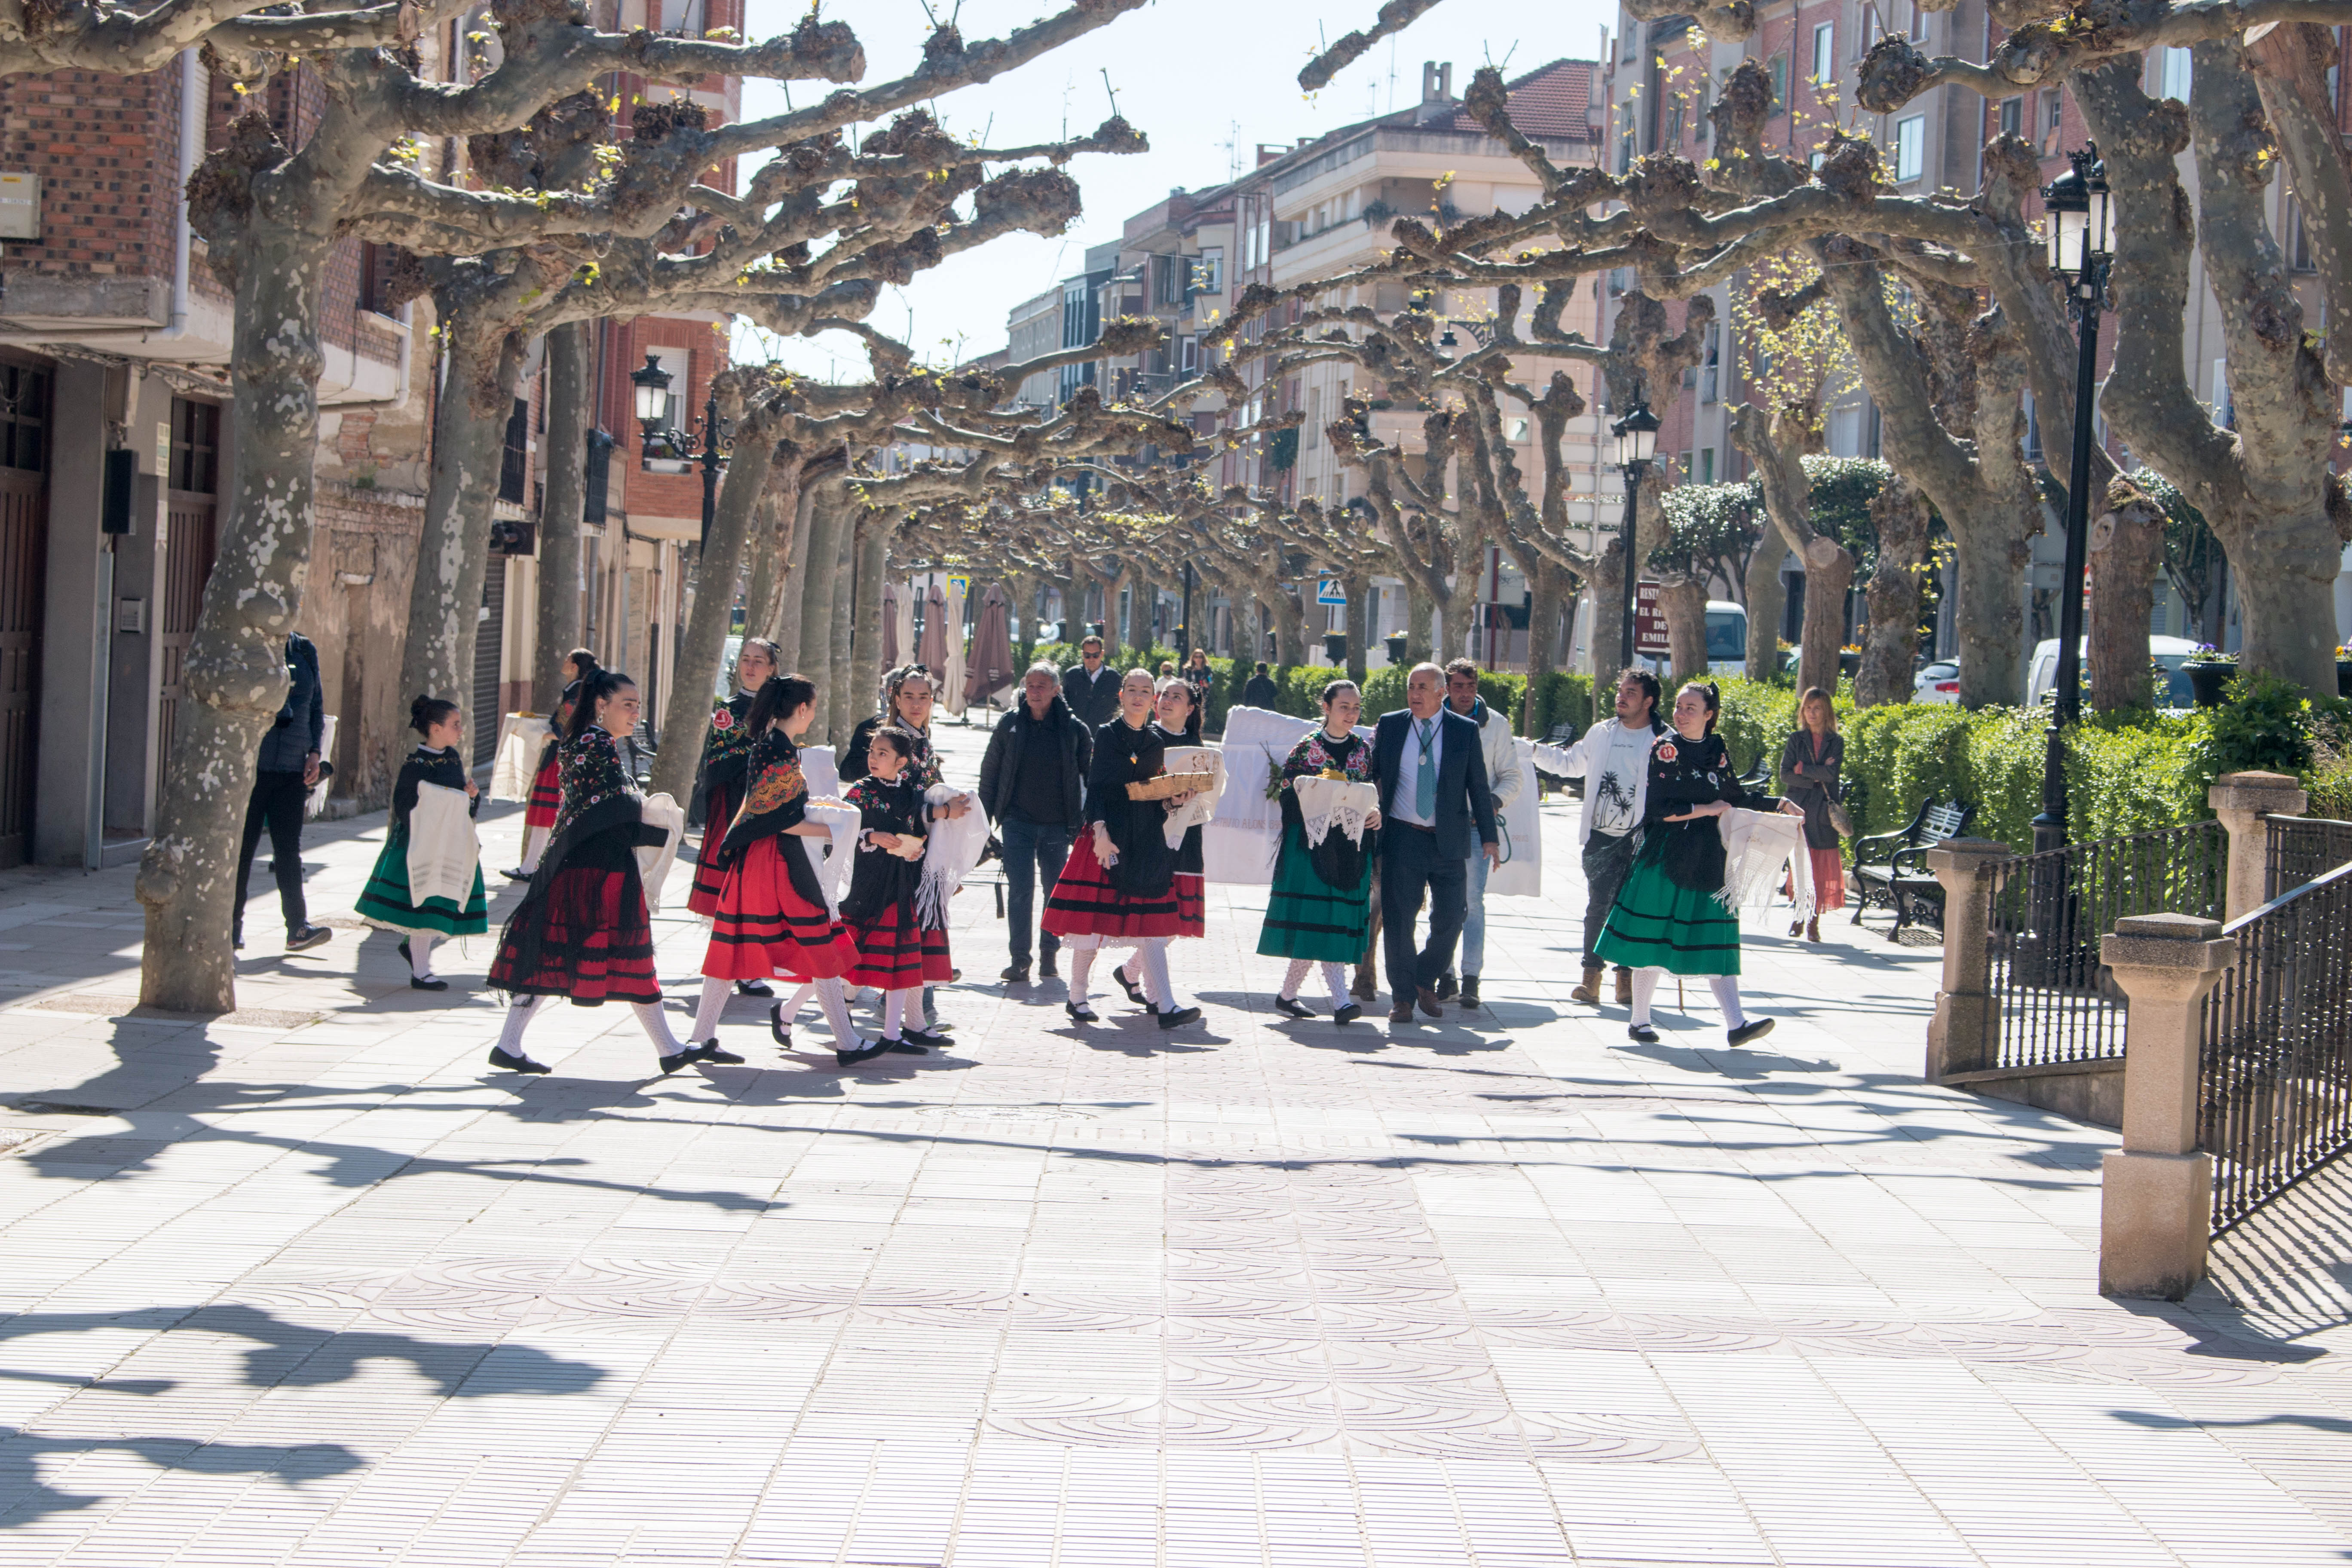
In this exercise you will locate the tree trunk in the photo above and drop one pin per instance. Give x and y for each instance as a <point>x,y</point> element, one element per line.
<point>451,554</point>
<point>1899,514</point>
<point>1829,576</point>
<point>798,580</point>
<point>1420,612</point>
<point>828,514</point>
<point>1358,589</point>
<point>560,509</point>
<point>1768,600</point>
<point>1607,592</point>
<point>1990,624</point>
<point>764,578</point>
<point>1547,596</point>
<point>1776,444</point>
<point>1683,600</point>
<point>695,675</point>
<point>234,677</point>
<point>2127,551</point>
<point>1289,628</point>
<point>873,562</point>
<point>845,701</point>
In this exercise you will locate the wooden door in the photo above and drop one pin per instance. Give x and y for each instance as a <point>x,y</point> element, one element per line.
<point>24,575</point>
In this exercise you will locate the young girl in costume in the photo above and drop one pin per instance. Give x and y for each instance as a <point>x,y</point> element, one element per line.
<point>1320,908</point>
<point>547,788</point>
<point>387,902</point>
<point>899,951</point>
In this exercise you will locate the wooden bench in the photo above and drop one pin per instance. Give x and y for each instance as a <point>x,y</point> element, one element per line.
<point>1891,868</point>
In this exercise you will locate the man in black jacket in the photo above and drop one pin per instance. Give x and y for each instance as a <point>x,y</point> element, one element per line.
<point>1260,692</point>
<point>1432,776</point>
<point>283,775</point>
<point>1029,785</point>
<point>1091,687</point>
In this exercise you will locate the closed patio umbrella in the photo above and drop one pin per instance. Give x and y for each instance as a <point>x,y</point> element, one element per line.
<point>951,674</point>
<point>934,654</point>
<point>891,644</point>
<point>992,649</point>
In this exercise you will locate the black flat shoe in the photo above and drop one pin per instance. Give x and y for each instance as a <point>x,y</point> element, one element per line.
<point>865,1053</point>
<point>1081,1014</point>
<point>712,1051</point>
<point>501,1058</point>
<point>1642,1033</point>
<point>1754,1030</point>
<point>1348,1014</point>
<point>1445,987</point>
<point>1176,1018</point>
<point>1134,992</point>
<point>1046,970</point>
<point>753,988</point>
<point>907,1048</point>
<point>1292,1008</point>
<point>1014,974</point>
<point>435,982</point>
<point>685,1058</point>
<point>515,874</point>
<point>777,1026</point>
<point>403,951</point>
<point>924,1036</point>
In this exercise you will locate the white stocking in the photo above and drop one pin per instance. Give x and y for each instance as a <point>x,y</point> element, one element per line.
<point>657,1027</point>
<point>1082,965</point>
<point>510,1030</point>
<point>793,1004</point>
<point>1727,997</point>
<point>1294,977</point>
<point>534,844</point>
<point>1157,988</point>
<point>837,1012</point>
<point>1335,975</point>
<point>1646,987</point>
<point>420,955</point>
<point>894,1012</point>
<point>712,1003</point>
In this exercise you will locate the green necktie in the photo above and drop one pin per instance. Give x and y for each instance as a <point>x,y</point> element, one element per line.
<point>1425,777</point>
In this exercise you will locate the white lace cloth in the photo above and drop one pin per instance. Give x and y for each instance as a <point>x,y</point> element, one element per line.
<point>1757,846</point>
<point>653,860</point>
<point>1197,811</point>
<point>952,847</point>
<point>832,859</point>
<point>1325,804</point>
<point>1241,843</point>
<point>442,848</point>
<point>522,738</point>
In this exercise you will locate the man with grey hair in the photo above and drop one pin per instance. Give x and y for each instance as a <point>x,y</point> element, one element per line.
<point>1436,811</point>
<point>1030,784</point>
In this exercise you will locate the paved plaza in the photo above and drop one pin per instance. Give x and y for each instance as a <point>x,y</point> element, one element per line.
<point>311,1284</point>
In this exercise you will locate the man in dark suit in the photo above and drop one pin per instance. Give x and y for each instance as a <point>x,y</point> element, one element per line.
<point>1091,687</point>
<point>1432,776</point>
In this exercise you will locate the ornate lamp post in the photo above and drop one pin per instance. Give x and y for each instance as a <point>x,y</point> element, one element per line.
<point>652,387</point>
<point>1637,443</point>
<point>2081,242</point>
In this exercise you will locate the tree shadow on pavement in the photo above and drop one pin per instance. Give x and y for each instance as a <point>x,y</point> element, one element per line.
<point>25,1498</point>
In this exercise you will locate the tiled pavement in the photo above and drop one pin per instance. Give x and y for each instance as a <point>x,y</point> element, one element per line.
<point>312,1286</point>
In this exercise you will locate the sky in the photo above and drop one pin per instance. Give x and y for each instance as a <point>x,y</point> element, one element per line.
<point>1206,81</point>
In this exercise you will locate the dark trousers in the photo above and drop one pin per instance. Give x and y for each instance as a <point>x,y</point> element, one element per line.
<point>1608,861</point>
<point>1032,852</point>
<point>1411,865</point>
<point>276,804</point>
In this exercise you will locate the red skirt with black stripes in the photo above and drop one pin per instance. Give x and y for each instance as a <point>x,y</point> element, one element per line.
<point>593,942</point>
<point>763,927</point>
<point>895,954</point>
<point>709,877</point>
<point>546,794</point>
<point>1086,902</point>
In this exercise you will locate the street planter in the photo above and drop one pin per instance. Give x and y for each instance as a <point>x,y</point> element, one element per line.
<point>2344,677</point>
<point>2210,677</point>
<point>1849,664</point>
<point>1396,649</point>
<point>1335,647</point>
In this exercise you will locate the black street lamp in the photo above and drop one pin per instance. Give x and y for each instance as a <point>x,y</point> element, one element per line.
<point>1637,443</point>
<point>652,386</point>
<point>2082,241</point>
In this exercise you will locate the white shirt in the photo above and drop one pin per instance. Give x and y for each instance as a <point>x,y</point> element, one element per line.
<point>1610,751</point>
<point>1408,765</point>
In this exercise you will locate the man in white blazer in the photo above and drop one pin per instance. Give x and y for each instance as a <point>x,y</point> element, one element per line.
<point>1614,760</point>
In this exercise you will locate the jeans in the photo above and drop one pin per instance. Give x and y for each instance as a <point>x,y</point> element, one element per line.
<point>1032,850</point>
<point>1411,864</point>
<point>276,804</point>
<point>1608,861</point>
<point>1474,916</point>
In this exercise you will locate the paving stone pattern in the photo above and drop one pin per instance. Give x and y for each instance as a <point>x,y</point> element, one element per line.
<point>310,1285</point>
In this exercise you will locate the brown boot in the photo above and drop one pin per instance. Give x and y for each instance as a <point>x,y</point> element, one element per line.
<point>1589,992</point>
<point>1624,988</point>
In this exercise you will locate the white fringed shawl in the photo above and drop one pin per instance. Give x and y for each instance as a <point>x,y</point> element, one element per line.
<point>832,875</point>
<point>1325,804</point>
<point>1758,848</point>
<point>442,848</point>
<point>653,859</point>
<point>952,847</point>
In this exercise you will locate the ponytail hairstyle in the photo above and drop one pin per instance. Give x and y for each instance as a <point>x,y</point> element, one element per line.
<point>583,661</point>
<point>1714,695</point>
<point>597,686</point>
<point>426,712</point>
<point>777,700</point>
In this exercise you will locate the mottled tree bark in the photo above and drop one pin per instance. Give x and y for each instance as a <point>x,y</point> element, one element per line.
<point>1778,446</point>
<point>1898,514</point>
<point>873,563</point>
<point>828,512</point>
<point>847,702</point>
<point>2126,553</point>
<point>1683,601</point>
<point>1768,601</point>
<point>560,509</point>
<point>688,717</point>
<point>1607,641</point>
<point>1359,588</point>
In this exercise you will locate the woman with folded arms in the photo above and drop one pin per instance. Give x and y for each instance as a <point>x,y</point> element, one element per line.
<point>899,952</point>
<point>387,901</point>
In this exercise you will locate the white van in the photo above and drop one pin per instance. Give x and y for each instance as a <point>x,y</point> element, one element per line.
<point>2168,654</point>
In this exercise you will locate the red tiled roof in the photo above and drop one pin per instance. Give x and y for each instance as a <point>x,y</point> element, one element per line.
<point>1549,102</point>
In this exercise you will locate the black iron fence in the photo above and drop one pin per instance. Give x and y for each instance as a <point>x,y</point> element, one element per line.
<point>2298,850</point>
<point>2276,1097</point>
<point>2049,1000</point>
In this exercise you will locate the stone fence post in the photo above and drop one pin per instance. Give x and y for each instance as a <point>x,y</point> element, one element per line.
<point>2242,801</point>
<point>2155,1198</point>
<point>1959,1036</point>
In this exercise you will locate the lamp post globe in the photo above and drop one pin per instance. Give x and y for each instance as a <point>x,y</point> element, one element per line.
<point>650,383</point>
<point>1637,443</point>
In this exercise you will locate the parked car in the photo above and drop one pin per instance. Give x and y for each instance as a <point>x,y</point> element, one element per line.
<point>2168,654</point>
<point>1938,681</point>
<point>1726,637</point>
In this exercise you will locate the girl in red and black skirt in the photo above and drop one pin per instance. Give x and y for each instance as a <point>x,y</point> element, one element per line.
<point>899,951</point>
<point>581,931</point>
<point>546,788</point>
<point>726,756</point>
<point>773,918</point>
<point>1176,721</point>
<point>1135,901</point>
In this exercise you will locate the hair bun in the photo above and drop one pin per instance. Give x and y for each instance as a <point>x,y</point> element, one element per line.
<point>417,709</point>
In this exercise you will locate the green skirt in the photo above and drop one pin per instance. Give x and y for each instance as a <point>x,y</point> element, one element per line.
<point>384,902</point>
<point>1654,924</point>
<point>1305,917</point>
